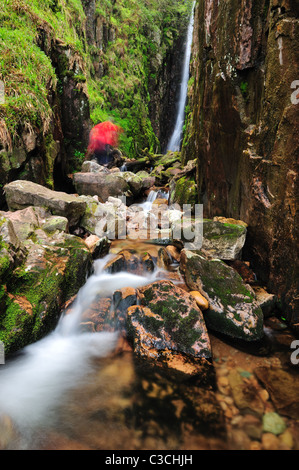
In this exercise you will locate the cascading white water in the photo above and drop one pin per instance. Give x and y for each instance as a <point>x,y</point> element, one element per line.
<point>153,195</point>
<point>174,144</point>
<point>33,386</point>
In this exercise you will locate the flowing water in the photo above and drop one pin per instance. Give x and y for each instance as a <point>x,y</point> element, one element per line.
<point>78,390</point>
<point>175,141</point>
<point>33,384</point>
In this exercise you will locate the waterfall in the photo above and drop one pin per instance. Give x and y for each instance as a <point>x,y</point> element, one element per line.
<point>174,144</point>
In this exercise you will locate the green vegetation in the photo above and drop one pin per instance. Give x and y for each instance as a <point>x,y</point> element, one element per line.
<point>115,68</point>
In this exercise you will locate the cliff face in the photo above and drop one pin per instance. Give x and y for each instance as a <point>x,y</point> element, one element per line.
<point>69,65</point>
<point>243,129</point>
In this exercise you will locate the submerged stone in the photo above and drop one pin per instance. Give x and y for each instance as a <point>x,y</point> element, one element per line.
<point>232,306</point>
<point>282,387</point>
<point>273,423</point>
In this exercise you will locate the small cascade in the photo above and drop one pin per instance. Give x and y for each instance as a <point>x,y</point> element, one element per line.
<point>35,383</point>
<point>174,144</point>
<point>151,198</point>
<point>123,168</point>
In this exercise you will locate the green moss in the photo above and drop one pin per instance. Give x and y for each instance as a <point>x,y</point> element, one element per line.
<point>16,327</point>
<point>185,192</point>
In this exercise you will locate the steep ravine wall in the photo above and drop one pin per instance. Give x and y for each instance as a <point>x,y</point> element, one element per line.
<point>243,130</point>
<point>69,65</point>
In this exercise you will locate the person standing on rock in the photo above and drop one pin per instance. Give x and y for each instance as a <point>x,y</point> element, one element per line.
<point>102,139</point>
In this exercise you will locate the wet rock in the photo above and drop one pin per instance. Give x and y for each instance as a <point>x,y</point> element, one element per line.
<point>184,191</point>
<point>244,270</point>
<point>252,426</point>
<point>266,301</point>
<point>139,182</point>
<point>107,219</point>
<point>148,263</point>
<point>26,221</point>
<point>201,301</point>
<point>245,395</point>
<point>217,240</point>
<point>222,240</point>
<point>273,423</point>
<point>122,300</point>
<point>21,194</point>
<point>160,202</point>
<point>174,253</point>
<point>148,181</point>
<point>99,247</point>
<point>129,261</point>
<point>134,181</point>
<point>99,316</point>
<point>232,306</point>
<point>51,271</point>
<point>239,440</point>
<point>167,319</point>
<point>282,387</point>
<point>270,442</point>
<point>164,259</point>
<point>286,438</point>
<point>228,220</point>
<point>12,250</point>
<point>153,342</point>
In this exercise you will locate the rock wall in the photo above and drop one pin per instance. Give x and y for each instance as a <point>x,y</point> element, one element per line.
<point>243,129</point>
<point>95,62</point>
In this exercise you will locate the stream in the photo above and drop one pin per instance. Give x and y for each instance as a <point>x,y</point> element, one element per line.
<point>88,391</point>
<point>80,390</point>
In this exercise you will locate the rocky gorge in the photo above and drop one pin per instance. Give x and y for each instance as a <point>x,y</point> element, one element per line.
<point>131,315</point>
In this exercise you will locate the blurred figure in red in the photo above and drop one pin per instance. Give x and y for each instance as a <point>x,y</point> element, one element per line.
<point>102,139</point>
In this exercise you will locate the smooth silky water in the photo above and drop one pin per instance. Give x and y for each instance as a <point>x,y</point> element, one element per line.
<point>78,390</point>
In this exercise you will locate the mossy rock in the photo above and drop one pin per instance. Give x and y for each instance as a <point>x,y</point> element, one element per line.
<point>171,319</point>
<point>233,308</point>
<point>54,270</point>
<point>184,191</point>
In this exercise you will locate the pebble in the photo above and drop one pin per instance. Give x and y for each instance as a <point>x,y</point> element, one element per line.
<point>270,442</point>
<point>286,439</point>
<point>273,423</point>
<point>201,301</point>
<point>240,440</point>
<point>223,381</point>
<point>222,371</point>
<point>264,395</point>
<point>255,445</point>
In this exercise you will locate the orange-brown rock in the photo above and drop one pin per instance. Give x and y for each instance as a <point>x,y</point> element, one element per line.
<point>168,325</point>
<point>160,202</point>
<point>173,252</point>
<point>99,314</point>
<point>201,301</point>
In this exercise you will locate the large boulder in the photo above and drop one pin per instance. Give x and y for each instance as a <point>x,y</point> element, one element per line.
<point>220,240</point>
<point>224,240</point>
<point>233,309</point>
<point>102,185</point>
<point>21,194</point>
<point>42,266</point>
<point>167,322</point>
